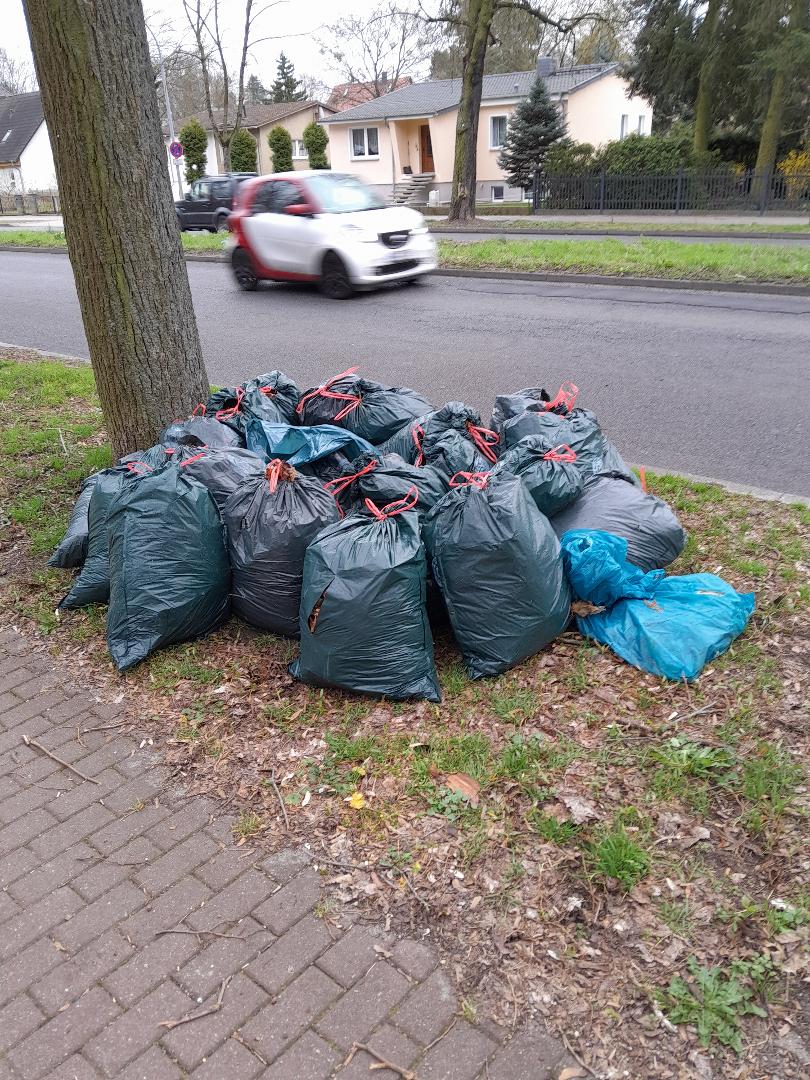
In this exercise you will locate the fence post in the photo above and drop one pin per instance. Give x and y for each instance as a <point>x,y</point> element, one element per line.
<point>679,190</point>
<point>602,192</point>
<point>536,191</point>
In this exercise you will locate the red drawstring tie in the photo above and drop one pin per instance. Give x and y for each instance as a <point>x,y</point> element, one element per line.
<point>399,506</point>
<point>563,452</point>
<point>133,466</point>
<point>199,410</point>
<point>226,414</point>
<point>484,439</point>
<point>477,479</point>
<point>189,460</point>
<point>323,391</point>
<point>418,435</point>
<point>566,395</point>
<point>268,391</point>
<point>337,486</point>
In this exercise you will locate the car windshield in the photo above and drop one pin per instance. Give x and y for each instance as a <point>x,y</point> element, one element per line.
<point>340,194</point>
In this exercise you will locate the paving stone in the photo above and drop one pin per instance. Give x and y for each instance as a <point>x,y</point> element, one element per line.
<point>31,708</point>
<point>112,753</point>
<point>220,870</point>
<point>531,1055</point>
<point>153,1065</point>
<point>120,831</point>
<point>75,1068</point>
<point>135,1030</point>
<point>36,921</point>
<point>459,1056</point>
<point>222,957</point>
<point>285,1019</point>
<point>107,872</point>
<point>22,830</point>
<point>413,958</point>
<point>18,1019</point>
<point>26,800</point>
<point>77,827</point>
<point>428,1010</point>
<point>309,1058</point>
<point>103,913</point>
<point>363,1007</point>
<point>290,903</point>
<point>284,865</point>
<point>233,902</point>
<point>290,954</point>
<point>166,911</point>
<point>394,1047</point>
<point>19,972</point>
<point>353,955</point>
<point>176,863</point>
<point>192,817</point>
<point>63,1035</point>
<point>232,1061</point>
<point>83,794</point>
<point>132,792</point>
<point>9,787</point>
<point>149,966</point>
<point>16,676</point>
<point>8,908</point>
<point>80,972</point>
<point>52,873</point>
<point>191,1043</point>
<point>15,864</point>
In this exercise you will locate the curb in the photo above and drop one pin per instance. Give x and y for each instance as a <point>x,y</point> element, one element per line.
<point>638,233</point>
<point>685,284</point>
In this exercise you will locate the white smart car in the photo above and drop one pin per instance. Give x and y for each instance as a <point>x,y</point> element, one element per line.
<point>325,227</point>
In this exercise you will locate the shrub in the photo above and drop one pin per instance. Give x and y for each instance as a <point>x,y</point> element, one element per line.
<point>280,145</point>
<point>194,140</point>
<point>796,168</point>
<point>316,140</point>
<point>569,158</point>
<point>243,151</point>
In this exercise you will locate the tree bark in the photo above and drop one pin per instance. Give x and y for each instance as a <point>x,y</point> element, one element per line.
<point>703,103</point>
<point>772,125</point>
<point>476,39</point>
<point>100,105</point>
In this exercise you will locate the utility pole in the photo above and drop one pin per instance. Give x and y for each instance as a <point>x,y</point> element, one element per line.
<point>167,102</point>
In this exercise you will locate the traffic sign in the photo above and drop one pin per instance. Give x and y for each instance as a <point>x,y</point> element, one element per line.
<point>176,149</point>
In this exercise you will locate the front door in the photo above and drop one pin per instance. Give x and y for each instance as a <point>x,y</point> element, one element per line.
<point>426,149</point>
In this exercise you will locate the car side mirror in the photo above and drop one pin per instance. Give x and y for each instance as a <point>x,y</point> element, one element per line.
<point>299,210</point>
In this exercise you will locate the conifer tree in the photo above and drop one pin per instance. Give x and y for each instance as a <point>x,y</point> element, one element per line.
<point>534,127</point>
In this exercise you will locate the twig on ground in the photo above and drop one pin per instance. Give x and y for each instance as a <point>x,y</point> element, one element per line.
<point>514,1001</point>
<point>382,1063</point>
<point>79,736</point>
<point>106,727</point>
<point>446,1031</point>
<point>60,761</point>
<point>201,1012</point>
<point>62,441</point>
<point>211,933</point>
<point>578,1059</point>
<point>280,800</point>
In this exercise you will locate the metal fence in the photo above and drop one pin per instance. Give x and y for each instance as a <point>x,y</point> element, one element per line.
<point>684,191</point>
<point>30,202</point>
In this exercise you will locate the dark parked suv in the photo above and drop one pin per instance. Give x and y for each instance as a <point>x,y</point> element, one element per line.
<point>208,203</point>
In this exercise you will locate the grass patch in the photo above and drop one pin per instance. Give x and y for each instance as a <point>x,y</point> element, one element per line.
<point>34,238</point>
<point>614,856</point>
<point>492,224</point>
<point>658,258</point>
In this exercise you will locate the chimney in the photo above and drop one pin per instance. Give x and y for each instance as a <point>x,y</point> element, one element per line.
<point>545,66</point>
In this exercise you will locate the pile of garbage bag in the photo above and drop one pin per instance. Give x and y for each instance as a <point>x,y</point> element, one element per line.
<point>358,517</point>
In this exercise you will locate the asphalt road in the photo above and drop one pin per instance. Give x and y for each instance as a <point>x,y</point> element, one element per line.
<point>709,383</point>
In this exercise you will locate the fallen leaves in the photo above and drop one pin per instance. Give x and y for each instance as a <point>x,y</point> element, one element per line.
<point>465,785</point>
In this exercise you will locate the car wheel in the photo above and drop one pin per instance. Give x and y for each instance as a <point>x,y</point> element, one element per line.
<point>180,224</point>
<point>335,280</point>
<point>243,270</point>
<point>221,223</point>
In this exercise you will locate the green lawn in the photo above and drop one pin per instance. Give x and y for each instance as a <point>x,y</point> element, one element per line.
<point>192,241</point>
<point>493,223</point>
<point>642,258</point>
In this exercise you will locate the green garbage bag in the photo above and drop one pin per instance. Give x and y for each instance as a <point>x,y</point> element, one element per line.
<point>368,409</point>
<point>363,621</point>
<point>579,429</point>
<point>549,472</point>
<point>451,452</point>
<point>271,397</point>
<point>170,580</point>
<point>497,562</point>
<point>384,478</point>
<point>533,398</point>
<point>452,416</point>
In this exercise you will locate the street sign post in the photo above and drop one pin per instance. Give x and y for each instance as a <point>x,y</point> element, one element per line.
<point>176,149</point>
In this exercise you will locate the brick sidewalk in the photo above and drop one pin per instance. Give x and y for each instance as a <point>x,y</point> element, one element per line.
<point>91,874</point>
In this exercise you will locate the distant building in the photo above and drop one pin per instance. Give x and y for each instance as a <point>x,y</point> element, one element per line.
<point>348,95</point>
<point>26,160</point>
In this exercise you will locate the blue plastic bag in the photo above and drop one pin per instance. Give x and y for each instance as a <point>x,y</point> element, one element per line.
<point>301,445</point>
<point>597,568</point>
<point>688,621</point>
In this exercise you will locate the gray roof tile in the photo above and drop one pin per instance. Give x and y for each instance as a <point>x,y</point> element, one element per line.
<point>20,116</point>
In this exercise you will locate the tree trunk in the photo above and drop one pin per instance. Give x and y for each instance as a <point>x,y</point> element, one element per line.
<point>100,105</point>
<point>479,22</point>
<point>772,126</point>
<point>703,103</point>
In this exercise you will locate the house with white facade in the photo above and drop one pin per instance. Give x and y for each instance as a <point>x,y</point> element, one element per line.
<point>26,160</point>
<point>406,139</point>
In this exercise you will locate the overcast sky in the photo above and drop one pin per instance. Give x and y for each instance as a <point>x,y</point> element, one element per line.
<point>293,24</point>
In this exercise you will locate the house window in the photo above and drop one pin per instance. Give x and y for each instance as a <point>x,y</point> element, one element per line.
<point>497,192</point>
<point>298,149</point>
<point>365,142</point>
<point>625,126</point>
<point>497,132</point>
<point>641,124</point>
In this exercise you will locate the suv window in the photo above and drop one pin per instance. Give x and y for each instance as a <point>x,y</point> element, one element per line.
<point>221,190</point>
<point>201,191</point>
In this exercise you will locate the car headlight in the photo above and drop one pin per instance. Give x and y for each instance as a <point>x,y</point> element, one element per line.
<point>365,236</point>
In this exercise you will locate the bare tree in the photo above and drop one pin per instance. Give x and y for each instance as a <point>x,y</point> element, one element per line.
<point>314,87</point>
<point>16,76</point>
<point>209,46</point>
<point>380,48</point>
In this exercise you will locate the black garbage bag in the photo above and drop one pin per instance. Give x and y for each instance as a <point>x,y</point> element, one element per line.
<point>654,536</point>
<point>549,472</point>
<point>271,520</point>
<point>369,409</point>
<point>202,431</point>
<point>498,564</point>
<point>271,397</point>
<point>409,442</point>
<point>385,478</point>
<point>596,454</point>
<point>452,452</point>
<point>72,548</point>
<point>92,585</point>
<point>533,399</point>
<point>327,468</point>
<point>222,471</point>
<point>363,621</point>
<point>169,574</point>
